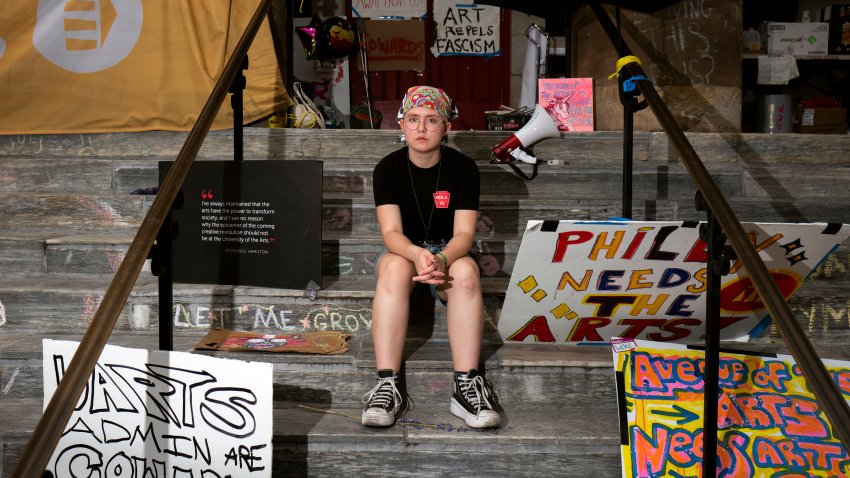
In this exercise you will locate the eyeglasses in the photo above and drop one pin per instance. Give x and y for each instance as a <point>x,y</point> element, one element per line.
<point>432,123</point>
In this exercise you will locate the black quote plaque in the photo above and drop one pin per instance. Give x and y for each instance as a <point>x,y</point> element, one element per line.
<point>249,223</point>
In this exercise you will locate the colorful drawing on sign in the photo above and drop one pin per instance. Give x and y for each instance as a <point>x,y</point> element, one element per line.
<point>465,29</point>
<point>586,282</point>
<point>569,102</point>
<point>769,423</point>
<point>308,342</point>
<point>164,414</point>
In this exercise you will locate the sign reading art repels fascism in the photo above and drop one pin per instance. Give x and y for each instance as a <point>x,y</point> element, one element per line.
<point>586,282</point>
<point>465,29</point>
<point>164,414</point>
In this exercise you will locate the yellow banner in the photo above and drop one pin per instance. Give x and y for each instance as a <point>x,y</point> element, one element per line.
<point>71,66</point>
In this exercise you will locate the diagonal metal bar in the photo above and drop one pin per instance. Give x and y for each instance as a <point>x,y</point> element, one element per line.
<point>55,417</point>
<point>825,390</point>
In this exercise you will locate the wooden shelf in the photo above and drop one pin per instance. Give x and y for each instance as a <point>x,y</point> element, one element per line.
<point>753,56</point>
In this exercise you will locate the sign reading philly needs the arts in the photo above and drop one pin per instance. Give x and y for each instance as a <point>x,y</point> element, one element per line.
<point>769,423</point>
<point>164,414</point>
<point>465,29</point>
<point>586,282</point>
<point>389,8</point>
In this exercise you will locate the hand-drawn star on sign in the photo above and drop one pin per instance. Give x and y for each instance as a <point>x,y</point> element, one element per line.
<point>798,258</point>
<point>791,246</point>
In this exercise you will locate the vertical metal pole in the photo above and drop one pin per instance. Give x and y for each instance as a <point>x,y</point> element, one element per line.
<point>163,269</point>
<point>712,345</point>
<point>630,105</point>
<point>628,141</point>
<point>236,103</point>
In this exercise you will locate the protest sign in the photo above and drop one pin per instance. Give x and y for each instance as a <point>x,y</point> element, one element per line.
<point>580,281</point>
<point>164,414</point>
<point>768,424</point>
<point>465,29</point>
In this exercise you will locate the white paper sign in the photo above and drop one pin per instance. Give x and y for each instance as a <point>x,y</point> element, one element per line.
<point>389,8</point>
<point>164,414</point>
<point>465,29</point>
<point>587,282</point>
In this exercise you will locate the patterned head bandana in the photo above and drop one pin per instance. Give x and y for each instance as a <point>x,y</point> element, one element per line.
<point>428,97</point>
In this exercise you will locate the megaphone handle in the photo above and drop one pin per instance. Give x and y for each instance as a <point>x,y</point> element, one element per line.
<point>523,156</point>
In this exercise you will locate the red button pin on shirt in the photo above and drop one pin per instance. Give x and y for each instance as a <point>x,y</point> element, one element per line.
<point>441,199</point>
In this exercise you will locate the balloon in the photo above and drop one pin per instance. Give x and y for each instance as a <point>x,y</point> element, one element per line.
<point>309,37</point>
<point>336,38</point>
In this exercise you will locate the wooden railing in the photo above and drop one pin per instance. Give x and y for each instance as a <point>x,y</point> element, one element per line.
<point>50,427</point>
<point>825,390</point>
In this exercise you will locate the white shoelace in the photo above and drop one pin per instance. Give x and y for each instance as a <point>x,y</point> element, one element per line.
<point>476,393</point>
<point>384,393</point>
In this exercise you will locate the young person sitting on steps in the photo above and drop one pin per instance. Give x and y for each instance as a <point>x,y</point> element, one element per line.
<point>426,198</point>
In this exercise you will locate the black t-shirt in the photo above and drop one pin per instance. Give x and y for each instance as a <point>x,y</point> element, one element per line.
<point>396,178</point>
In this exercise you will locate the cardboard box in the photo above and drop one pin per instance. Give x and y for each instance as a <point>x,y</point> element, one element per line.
<point>797,38</point>
<point>505,121</point>
<point>838,17</point>
<point>820,120</point>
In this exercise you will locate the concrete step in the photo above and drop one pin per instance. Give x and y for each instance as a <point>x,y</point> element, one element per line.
<point>341,213</point>
<point>753,151</point>
<point>68,302</point>
<point>79,268</point>
<point>25,211</point>
<point>570,443</point>
<point>343,254</point>
<point>428,442</point>
<point>578,179</point>
<point>525,377</point>
<point>22,211</point>
<point>589,164</point>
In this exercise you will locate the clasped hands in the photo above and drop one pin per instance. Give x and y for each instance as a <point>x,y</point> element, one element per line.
<point>430,268</point>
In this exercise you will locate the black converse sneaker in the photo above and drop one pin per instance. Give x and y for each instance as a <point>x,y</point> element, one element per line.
<point>471,400</point>
<point>382,402</point>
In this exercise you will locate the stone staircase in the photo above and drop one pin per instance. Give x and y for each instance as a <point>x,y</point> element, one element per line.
<point>70,204</point>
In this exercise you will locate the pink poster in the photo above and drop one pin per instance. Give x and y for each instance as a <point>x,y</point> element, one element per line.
<point>569,102</point>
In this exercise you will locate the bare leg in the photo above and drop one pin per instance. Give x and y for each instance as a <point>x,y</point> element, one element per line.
<point>391,309</point>
<point>465,313</point>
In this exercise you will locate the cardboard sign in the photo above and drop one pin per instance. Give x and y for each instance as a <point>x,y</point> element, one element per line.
<point>164,414</point>
<point>395,45</point>
<point>579,282</point>
<point>465,29</point>
<point>315,342</point>
<point>389,8</point>
<point>768,423</point>
<point>569,102</point>
<point>250,223</point>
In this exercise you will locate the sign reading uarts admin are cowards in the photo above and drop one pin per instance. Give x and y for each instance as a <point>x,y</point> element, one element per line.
<point>586,282</point>
<point>769,423</point>
<point>164,414</point>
